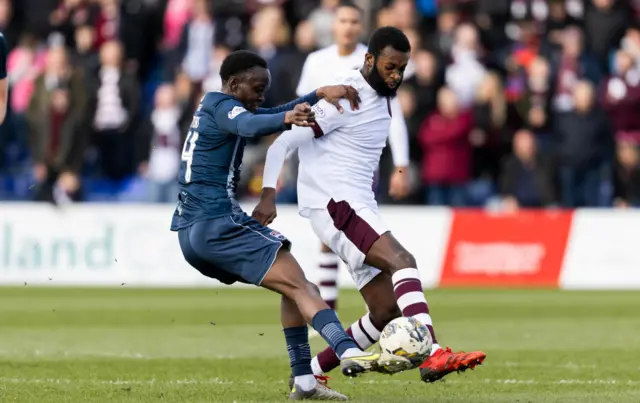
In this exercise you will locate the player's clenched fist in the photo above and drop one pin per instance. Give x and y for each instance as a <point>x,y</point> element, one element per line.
<point>265,212</point>
<point>301,115</point>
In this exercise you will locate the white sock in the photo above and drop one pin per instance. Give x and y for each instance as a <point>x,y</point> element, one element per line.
<point>352,352</point>
<point>364,333</point>
<point>435,348</point>
<point>315,367</point>
<point>305,382</point>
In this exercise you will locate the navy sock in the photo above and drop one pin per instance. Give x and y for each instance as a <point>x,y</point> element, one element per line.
<point>327,324</point>
<point>299,350</point>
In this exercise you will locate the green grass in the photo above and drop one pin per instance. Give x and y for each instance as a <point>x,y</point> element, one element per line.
<point>132,345</point>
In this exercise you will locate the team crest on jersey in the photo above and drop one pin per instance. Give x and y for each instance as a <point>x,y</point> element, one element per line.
<point>236,111</point>
<point>277,235</point>
<point>318,110</point>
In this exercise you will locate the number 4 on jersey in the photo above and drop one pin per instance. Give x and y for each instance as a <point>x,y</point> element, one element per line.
<point>187,153</point>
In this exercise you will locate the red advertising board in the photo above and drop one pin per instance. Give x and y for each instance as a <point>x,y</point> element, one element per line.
<point>524,249</point>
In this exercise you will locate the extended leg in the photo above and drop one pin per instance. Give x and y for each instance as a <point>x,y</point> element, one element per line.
<point>391,257</point>
<point>287,278</point>
<point>304,385</point>
<point>379,297</point>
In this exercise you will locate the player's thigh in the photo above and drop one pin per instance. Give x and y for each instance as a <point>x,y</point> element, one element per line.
<point>238,245</point>
<point>388,254</point>
<point>350,234</point>
<point>286,276</point>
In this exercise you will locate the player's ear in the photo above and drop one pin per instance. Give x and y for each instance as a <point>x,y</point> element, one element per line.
<point>369,60</point>
<point>232,84</point>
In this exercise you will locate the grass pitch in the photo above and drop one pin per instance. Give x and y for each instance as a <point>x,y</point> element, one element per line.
<point>133,345</point>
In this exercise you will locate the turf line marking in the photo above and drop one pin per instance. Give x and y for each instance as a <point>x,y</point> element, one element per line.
<point>218,381</point>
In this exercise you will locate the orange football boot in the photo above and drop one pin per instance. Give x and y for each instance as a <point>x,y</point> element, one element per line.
<point>445,361</point>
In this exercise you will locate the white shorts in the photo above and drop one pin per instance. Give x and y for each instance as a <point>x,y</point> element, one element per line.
<point>349,231</point>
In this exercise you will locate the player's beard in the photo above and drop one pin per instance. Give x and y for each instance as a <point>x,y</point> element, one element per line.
<point>379,85</point>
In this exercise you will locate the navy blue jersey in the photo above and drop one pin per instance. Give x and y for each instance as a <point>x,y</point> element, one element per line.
<point>4,53</point>
<point>212,154</point>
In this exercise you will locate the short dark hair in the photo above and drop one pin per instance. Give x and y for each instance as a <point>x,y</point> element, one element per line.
<point>388,36</point>
<point>350,4</point>
<point>239,62</point>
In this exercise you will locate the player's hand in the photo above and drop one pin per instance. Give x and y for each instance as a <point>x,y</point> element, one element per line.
<point>334,93</point>
<point>265,212</point>
<point>301,115</point>
<point>399,183</point>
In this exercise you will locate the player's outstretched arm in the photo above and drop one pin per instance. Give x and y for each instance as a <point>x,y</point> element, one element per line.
<point>265,212</point>
<point>331,93</point>
<point>233,118</point>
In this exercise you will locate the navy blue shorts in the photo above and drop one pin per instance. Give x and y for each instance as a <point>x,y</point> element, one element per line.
<point>231,248</point>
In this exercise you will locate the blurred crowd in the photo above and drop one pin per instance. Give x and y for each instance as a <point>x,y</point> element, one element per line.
<point>516,103</point>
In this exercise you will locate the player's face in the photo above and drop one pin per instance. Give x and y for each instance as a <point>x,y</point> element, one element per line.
<point>347,26</point>
<point>251,87</point>
<point>387,70</point>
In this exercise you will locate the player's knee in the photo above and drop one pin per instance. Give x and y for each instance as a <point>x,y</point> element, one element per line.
<point>313,288</point>
<point>403,260</point>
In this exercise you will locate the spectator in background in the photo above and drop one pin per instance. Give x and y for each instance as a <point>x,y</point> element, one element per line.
<point>197,42</point>
<point>107,22</point>
<point>176,17</point>
<point>621,98</point>
<point>534,108</point>
<point>321,20</point>
<point>405,14</point>
<point>84,55</point>
<point>584,142</point>
<point>571,65</point>
<point>419,96</point>
<point>489,116</point>
<point>529,178</point>
<point>57,134</point>
<point>287,69</point>
<point>114,106</point>
<point>24,65</point>
<point>446,161</point>
<point>605,24</point>
<point>70,15</point>
<point>269,37</point>
<point>159,146</point>
<point>441,41</point>
<point>213,82</point>
<point>627,176</point>
<point>465,74</point>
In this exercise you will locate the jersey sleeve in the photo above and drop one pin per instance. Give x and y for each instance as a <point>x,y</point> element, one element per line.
<point>328,118</point>
<point>232,117</point>
<point>4,52</point>
<point>311,98</point>
<point>398,135</point>
<point>278,151</point>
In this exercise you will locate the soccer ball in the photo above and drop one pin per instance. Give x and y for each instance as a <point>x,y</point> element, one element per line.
<point>406,339</point>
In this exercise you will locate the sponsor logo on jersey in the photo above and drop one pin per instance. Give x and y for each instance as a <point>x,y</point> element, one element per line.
<point>318,111</point>
<point>236,111</point>
<point>277,235</point>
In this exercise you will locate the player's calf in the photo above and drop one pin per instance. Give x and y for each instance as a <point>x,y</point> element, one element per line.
<point>287,278</point>
<point>388,255</point>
